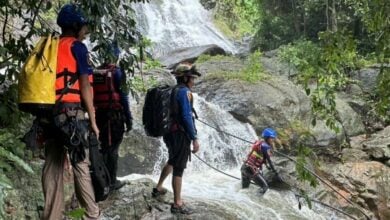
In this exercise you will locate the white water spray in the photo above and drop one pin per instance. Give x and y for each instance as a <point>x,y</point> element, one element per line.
<point>226,153</point>
<point>175,24</point>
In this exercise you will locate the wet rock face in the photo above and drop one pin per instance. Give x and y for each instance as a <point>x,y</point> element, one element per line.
<point>189,54</point>
<point>134,201</point>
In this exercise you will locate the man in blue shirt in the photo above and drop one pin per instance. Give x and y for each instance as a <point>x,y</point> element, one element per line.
<point>71,126</point>
<point>112,112</point>
<point>183,133</point>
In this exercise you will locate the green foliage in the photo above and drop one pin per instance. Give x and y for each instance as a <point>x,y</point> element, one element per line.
<point>375,17</point>
<point>383,93</point>
<point>236,18</point>
<point>326,66</point>
<point>300,167</point>
<point>252,73</point>
<point>139,84</point>
<point>9,112</point>
<point>151,64</point>
<point>21,22</point>
<point>206,57</point>
<point>341,35</point>
<point>76,213</point>
<point>11,153</point>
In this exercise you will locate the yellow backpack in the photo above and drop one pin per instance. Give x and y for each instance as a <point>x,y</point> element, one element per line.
<point>36,83</point>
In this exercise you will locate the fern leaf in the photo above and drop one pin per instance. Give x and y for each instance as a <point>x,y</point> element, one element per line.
<point>17,160</point>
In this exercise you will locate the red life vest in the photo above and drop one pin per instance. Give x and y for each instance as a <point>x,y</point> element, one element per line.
<point>255,157</point>
<point>66,70</point>
<point>105,94</point>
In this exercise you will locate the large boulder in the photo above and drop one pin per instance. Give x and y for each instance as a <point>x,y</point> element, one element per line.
<point>189,54</point>
<point>139,153</point>
<point>351,121</point>
<point>378,146</point>
<point>366,183</point>
<point>275,101</point>
<point>367,78</point>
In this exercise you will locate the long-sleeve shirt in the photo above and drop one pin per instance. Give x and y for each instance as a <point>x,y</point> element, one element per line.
<point>119,77</point>
<point>184,99</point>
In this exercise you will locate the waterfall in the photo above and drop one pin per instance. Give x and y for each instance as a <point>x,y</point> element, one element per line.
<point>227,153</point>
<point>175,24</point>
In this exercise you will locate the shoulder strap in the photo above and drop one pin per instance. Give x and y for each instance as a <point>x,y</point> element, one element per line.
<point>69,85</point>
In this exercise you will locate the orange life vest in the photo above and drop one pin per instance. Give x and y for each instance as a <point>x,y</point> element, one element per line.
<point>105,94</point>
<point>66,69</point>
<point>255,157</point>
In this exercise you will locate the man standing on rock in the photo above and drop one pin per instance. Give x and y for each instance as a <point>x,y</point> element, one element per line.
<point>71,125</point>
<point>112,111</point>
<point>182,133</point>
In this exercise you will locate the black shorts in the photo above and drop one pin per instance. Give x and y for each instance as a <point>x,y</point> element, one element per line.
<point>179,148</point>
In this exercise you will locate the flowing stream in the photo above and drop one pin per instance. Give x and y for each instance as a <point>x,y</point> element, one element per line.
<point>176,24</point>
<point>226,153</point>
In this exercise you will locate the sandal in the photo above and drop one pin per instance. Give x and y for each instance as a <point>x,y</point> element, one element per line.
<point>183,209</point>
<point>156,192</point>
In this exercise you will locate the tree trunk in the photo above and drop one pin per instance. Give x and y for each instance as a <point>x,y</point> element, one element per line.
<point>334,16</point>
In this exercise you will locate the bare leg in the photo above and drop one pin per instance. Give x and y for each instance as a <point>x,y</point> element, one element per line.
<point>164,173</point>
<point>176,185</point>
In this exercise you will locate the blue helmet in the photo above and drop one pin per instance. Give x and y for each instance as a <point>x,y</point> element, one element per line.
<point>69,15</point>
<point>269,133</point>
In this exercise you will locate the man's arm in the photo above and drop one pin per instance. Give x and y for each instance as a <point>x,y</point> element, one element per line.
<point>186,114</point>
<point>267,158</point>
<point>80,53</point>
<point>87,98</point>
<point>119,78</point>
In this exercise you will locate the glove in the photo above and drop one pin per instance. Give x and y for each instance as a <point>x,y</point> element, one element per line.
<point>129,125</point>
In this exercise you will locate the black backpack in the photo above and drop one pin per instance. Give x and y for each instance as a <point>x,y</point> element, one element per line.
<point>99,172</point>
<point>158,110</point>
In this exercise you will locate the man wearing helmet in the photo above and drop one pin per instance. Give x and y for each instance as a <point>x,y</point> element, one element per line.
<point>72,69</point>
<point>112,111</point>
<point>179,139</point>
<point>260,154</point>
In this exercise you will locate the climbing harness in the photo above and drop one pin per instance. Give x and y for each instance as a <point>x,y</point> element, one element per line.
<point>286,156</point>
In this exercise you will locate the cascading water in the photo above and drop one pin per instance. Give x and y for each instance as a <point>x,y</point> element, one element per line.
<point>227,153</point>
<point>174,24</point>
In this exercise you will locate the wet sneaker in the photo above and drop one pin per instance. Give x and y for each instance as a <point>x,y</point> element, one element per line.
<point>183,209</point>
<point>156,193</point>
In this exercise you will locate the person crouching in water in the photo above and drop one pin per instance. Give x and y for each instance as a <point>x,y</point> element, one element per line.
<point>260,154</point>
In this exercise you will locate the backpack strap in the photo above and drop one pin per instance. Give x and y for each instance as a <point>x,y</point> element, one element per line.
<point>68,86</point>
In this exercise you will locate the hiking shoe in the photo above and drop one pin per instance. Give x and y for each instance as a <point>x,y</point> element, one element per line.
<point>183,209</point>
<point>117,185</point>
<point>156,193</point>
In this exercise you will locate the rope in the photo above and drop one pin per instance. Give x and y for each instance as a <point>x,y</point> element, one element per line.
<point>296,194</point>
<point>293,160</point>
